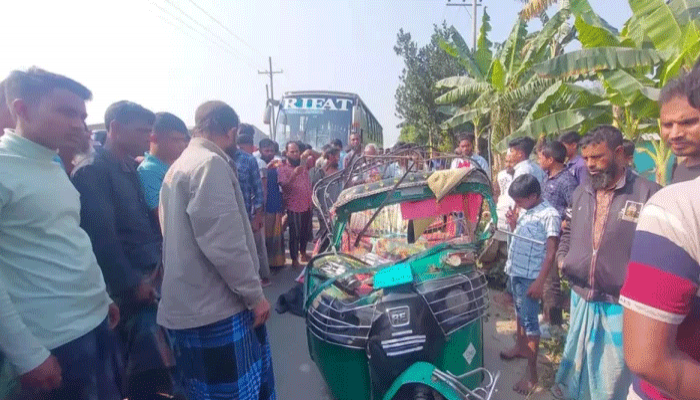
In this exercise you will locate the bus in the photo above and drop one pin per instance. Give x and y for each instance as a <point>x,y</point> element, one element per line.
<point>319,117</point>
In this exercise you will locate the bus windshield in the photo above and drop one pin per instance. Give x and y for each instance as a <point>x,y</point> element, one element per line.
<point>315,121</point>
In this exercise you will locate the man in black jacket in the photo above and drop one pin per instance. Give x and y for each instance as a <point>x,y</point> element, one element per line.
<point>593,255</point>
<point>128,245</point>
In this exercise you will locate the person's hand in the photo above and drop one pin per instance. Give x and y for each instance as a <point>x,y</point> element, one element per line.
<point>145,293</point>
<point>536,290</point>
<point>261,312</point>
<point>273,164</point>
<point>512,217</point>
<point>298,170</point>
<point>113,316</point>
<point>257,222</point>
<point>47,376</point>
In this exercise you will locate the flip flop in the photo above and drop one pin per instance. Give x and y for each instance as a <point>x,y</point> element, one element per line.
<point>556,391</point>
<point>531,389</point>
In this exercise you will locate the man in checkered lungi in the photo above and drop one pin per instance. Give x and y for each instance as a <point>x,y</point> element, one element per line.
<point>212,300</point>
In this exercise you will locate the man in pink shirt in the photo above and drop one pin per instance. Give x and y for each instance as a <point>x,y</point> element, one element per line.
<point>296,190</point>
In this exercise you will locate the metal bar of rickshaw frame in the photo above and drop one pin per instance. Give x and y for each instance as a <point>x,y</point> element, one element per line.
<point>381,206</point>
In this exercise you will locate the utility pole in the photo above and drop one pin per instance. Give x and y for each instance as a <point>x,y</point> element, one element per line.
<point>271,99</point>
<point>267,95</point>
<point>474,4</point>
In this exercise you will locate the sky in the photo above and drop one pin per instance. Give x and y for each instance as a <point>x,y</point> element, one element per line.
<point>168,55</point>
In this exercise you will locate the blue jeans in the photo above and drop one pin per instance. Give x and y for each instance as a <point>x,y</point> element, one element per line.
<point>90,366</point>
<point>526,308</point>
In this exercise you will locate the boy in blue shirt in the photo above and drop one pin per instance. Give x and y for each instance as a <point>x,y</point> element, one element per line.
<point>528,266</point>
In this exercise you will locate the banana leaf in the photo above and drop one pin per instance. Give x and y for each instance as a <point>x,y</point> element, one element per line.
<point>633,32</point>
<point>627,85</point>
<point>594,36</point>
<point>554,123</point>
<point>498,76</point>
<point>484,55</point>
<point>448,110</point>
<point>587,61</point>
<point>583,9</point>
<point>524,93</point>
<point>688,55</point>
<point>535,49</point>
<point>510,54</point>
<point>659,23</point>
<point>463,92</point>
<point>462,117</point>
<point>566,94</point>
<point>454,81</point>
<point>462,56</point>
<point>543,104</point>
<point>685,10</point>
<point>535,8</point>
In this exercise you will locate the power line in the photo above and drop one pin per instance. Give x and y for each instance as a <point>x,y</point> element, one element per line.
<point>225,28</point>
<point>210,32</point>
<point>176,26</point>
<point>224,47</point>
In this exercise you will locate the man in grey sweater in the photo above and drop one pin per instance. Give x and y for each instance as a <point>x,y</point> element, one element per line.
<point>212,300</point>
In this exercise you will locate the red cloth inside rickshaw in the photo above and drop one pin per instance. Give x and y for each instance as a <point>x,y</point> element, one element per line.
<point>430,222</point>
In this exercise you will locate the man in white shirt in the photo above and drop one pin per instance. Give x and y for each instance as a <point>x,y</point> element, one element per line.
<point>466,150</point>
<point>54,306</point>
<point>522,148</point>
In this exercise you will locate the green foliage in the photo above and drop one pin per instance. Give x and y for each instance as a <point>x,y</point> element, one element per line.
<point>528,85</point>
<point>423,68</point>
<point>483,53</point>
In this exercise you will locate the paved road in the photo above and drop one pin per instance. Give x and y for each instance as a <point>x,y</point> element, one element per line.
<point>296,376</point>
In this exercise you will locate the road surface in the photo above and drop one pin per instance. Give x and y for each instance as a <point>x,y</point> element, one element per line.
<point>297,378</point>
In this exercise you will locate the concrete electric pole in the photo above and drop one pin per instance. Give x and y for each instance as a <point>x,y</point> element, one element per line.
<point>271,98</point>
<point>474,4</point>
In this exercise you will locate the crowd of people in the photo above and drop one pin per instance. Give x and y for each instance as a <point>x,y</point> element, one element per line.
<point>134,266</point>
<point>88,309</point>
<point>628,249</point>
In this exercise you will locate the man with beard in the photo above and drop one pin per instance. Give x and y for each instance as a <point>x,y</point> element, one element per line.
<point>127,242</point>
<point>213,303</point>
<point>296,187</point>
<point>355,150</point>
<point>274,207</point>
<point>329,194</point>
<point>680,126</point>
<point>593,254</point>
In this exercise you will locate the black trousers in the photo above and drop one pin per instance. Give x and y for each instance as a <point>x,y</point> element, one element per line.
<point>300,232</point>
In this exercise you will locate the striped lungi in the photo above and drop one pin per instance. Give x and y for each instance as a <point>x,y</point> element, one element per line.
<point>226,360</point>
<point>274,240</point>
<point>593,365</point>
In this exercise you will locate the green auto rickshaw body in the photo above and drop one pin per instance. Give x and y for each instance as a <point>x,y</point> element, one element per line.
<point>375,344</point>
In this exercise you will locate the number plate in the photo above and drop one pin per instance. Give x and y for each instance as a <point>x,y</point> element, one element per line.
<point>393,276</point>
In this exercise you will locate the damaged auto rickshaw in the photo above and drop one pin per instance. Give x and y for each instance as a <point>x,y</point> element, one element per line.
<point>394,302</point>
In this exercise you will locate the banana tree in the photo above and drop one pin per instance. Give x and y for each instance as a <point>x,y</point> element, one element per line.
<point>499,89</point>
<point>655,44</point>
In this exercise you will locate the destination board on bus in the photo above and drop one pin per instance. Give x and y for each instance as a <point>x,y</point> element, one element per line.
<point>311,105</point>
